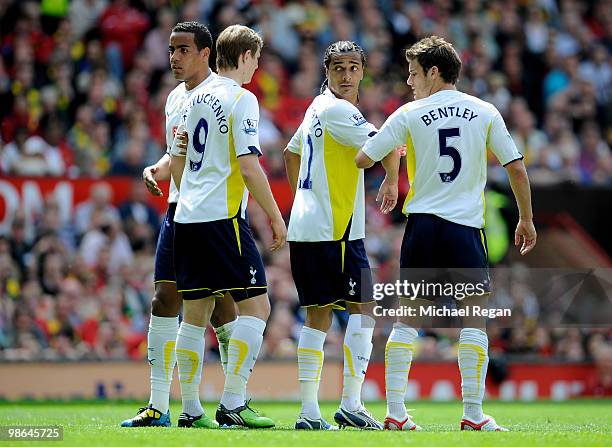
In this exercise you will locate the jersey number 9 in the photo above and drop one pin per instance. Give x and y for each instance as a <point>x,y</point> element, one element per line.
<point>198,146</point>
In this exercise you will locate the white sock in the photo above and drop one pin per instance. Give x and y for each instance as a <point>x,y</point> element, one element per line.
<point>398,358</point>
<point>357,350</point>
<point>242,353</point>
<point>310,362</point>
<point>189,357</point>
<point>162,358</point>
<point>473,362</point>
<point>224,334</point>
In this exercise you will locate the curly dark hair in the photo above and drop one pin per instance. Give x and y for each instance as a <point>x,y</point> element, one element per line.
<point>337,48</point>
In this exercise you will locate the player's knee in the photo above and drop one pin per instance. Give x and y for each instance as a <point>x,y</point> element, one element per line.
<point>258,307</point>
<point>166,303</point>
<point>319,319</point>
<point>361,308</point>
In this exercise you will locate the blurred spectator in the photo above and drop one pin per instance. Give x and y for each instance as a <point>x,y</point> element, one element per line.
<point>141,220</point>
<point>100,197</point>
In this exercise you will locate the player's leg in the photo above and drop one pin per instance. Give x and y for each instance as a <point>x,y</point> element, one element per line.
<point>416,255</point>
<point>223,320</point>
<point>163,329</point>
<point>190,348</point>
<point>310,364</point>
<point>243,350</point>
<point>357,349</point>
<point>355,286</point>
<point>239,269</point>
<point>399,351</point>
<point>312,267</point>
<point>469,251</point>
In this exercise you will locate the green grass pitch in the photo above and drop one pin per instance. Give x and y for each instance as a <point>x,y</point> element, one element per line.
<point>89,424</point>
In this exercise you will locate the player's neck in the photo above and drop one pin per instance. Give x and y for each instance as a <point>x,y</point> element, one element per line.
<point>197,80</point>
<point>353,100</point>
<point>236,75</point>
<point>443,86</point>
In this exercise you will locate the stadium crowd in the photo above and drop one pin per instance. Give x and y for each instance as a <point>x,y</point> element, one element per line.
<point>82,92</point>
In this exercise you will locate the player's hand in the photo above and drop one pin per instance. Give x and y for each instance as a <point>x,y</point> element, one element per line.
<point>182,141</point>
<point>525,232</point>
<point>387,195</point>
<point>401,150</point>
<point>148,177</point>
<point>279,233</point>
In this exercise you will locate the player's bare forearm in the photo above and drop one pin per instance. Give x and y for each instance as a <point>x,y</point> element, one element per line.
<point>519,181</point>
<point>292,165</point>
<point>154,173</point>
<point>177,166</point>
<point>391,163</point>
<point>525,230</point>
<point>162,166</point>
<point>257,183</point>
<point>363,161</point>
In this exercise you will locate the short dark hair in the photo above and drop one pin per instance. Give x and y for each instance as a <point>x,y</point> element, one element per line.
<point>201,35</point>
<point>233,42</point>
<point>336,49</point>
<point>434,51</point>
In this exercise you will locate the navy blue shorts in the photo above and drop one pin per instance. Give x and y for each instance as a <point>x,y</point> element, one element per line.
<point>435,249</point>
<point>331,273</point>
<point>212,258</point>
<point>164,258</point>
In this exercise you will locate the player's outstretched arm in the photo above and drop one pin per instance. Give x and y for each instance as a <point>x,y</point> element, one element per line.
<point>257,183</point>
<point>525,230</point>
<point>292,165</point>
<point>154,173</point>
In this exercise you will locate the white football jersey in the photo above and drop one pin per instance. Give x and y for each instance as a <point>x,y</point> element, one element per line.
<point>174,107</point>
<point>446,135</point>
<point>330,192</point>
<point>221,119</point>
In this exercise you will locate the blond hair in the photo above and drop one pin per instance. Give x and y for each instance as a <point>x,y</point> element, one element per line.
<point>233,42</point>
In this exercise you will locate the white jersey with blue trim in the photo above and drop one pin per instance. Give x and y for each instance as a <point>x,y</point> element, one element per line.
<point>446,136</point>
<point>173,110</point>
<point>221,119</point>
<point>330,190</point>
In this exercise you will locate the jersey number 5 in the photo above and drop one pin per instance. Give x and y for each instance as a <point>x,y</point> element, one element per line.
<point>449,151</point>
<point>198,146</point>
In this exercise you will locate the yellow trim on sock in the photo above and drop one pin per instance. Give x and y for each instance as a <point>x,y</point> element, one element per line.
<point>349,359</point>
<point>469,348</point>
<point>243,350</point>
<point>311,352</point>
<point>168,349</point>
<point>193,356</point>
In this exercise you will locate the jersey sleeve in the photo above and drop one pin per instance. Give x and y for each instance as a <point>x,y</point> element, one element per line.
<point>391,135</point>
<point>500,142</point>
<point>347,126</point>
<point>295,144</point>
<point>245,126</point>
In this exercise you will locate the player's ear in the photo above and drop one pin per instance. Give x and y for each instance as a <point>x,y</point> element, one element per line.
<point>205,52</point>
